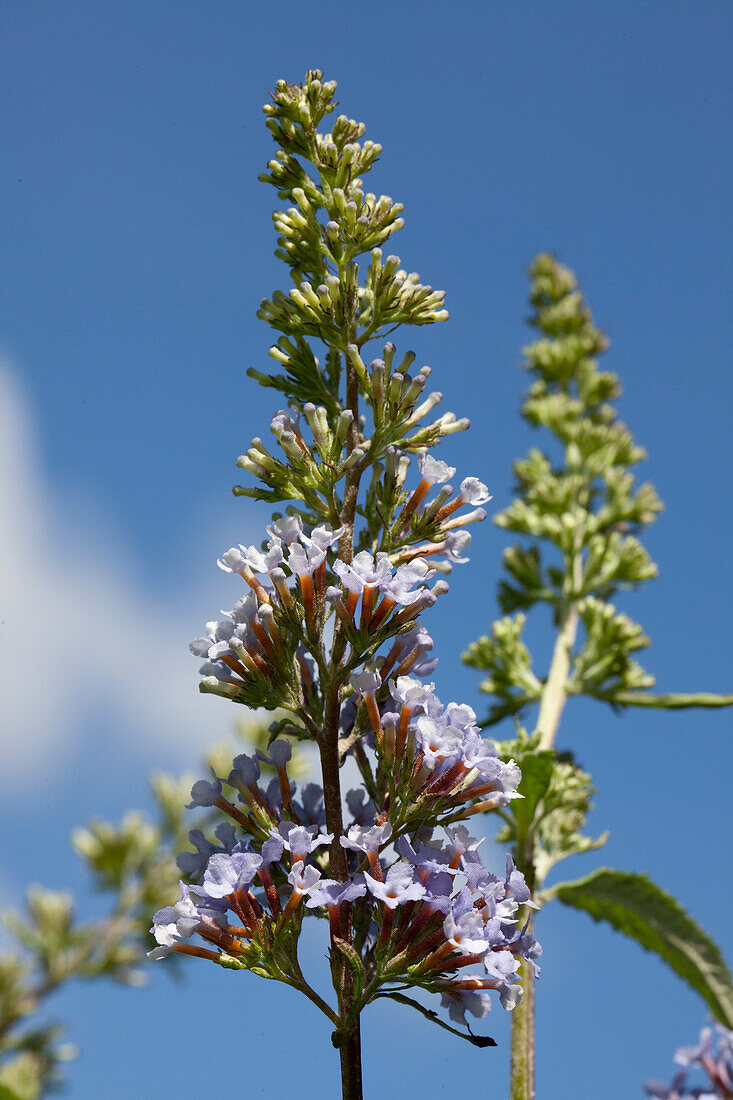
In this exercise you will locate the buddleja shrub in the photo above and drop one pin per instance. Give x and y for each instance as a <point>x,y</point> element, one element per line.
<point>326,628</point>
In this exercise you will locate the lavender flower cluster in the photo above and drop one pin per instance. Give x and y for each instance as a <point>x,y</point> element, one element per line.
<point>713,1055</point>
<point>414,908</point>
<point>392,587</point>
<point>421,909</point>
<point>435,754</point>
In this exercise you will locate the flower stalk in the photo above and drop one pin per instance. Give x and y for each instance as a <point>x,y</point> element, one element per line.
<point>581,518</point>
<point>329,634</point>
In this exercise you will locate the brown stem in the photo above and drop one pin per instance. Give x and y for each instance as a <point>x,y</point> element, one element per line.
<point>350,1036</point>
<point>350,1052</point>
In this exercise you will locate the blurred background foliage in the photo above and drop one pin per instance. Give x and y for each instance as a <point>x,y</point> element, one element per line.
<point>132,864</point>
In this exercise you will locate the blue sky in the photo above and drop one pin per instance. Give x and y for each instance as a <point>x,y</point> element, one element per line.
<point>137,246</point>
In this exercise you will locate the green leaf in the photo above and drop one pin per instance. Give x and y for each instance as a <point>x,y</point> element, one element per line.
<point>536,775</point>
<point>634,905</point>
<point>669,701</point>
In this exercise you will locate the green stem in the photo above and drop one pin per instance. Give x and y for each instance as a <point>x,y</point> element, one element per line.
<point>552,703</point>
<point>554,693</point>
<point>302,986</point>
<point>522,1042</point>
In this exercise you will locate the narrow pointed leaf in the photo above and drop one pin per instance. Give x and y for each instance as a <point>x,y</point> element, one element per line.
<point>429,1014</point>
<point>669,701</point>
<point>536,776</point>
<point>636,906</point>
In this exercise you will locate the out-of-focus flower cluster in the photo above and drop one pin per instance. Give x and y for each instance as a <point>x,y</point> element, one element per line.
<point>713,1056</point>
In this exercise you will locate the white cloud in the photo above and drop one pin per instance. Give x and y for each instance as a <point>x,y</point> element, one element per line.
<point>78,633</point>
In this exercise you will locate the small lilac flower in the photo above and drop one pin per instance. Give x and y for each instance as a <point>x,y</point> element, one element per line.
<point>399,588</point>
<point>175,923</point>
<point>438,892</point>
<point>193,863</point>
<point>425,666</point>
<point>427,858</point>
<point>301,840</point>
<point>462,844</point>
<point>510,994</point>
<point>478,752</point>
<point>303,878</point>
<point>244,610</point>
<point>408,653</point>
<point>232,561</point>
<point>322,537</point>
<point>725,1042</point>
<point>365,683</point>
<point>211,670</point>
<point>361,809</point>
<point>693,1056</point>
<point>474,491</point>
<point>466,931</point>
<point>273,794</point>
<point>311,808</point>
<point>289,529</point>
<point>329,892</point>
<point>510,777</point>
<point>477,876</point>
<point>436,740</point>
<point>516,885</point>
<point>304,562</point>
<point>433,470</point>
<point>410,693</point>
<point>308,667</point>
<point>461,1001</point>
<point>461,716</point>
<point>366,839</point>
<point>216,642</point>
<point>667,1092</point>
<point>280,753</point>
<point>524,944</point>
<point>499,909</point>
<point>204,793</point>
<point>399,886</point>
<point>252,557</point>
<point>225,874</point>
<point>455,545</point>
<point>246,770</point>
<point>272,850</point>
<point>364,571</point>
<point>348,715</point>
<point>501,965</point>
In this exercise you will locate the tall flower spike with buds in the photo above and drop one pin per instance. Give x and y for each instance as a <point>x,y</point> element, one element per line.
<point>328,630</point>
<point>580,516</point>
